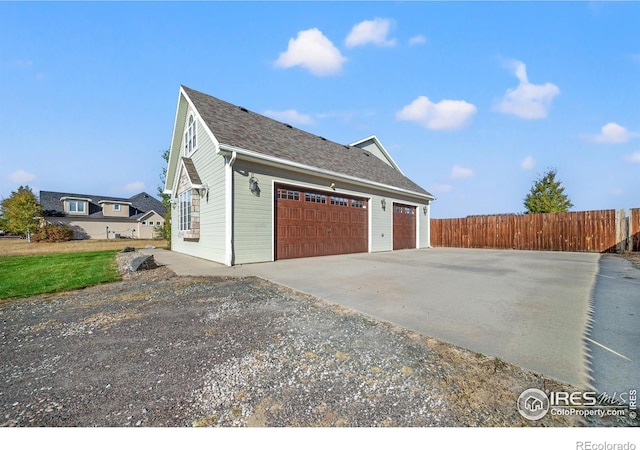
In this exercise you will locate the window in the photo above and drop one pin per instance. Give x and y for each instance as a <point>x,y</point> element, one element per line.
<point>185,211</point>
<point>116,207</point>
<point>359,204</point>
<point>190,136</point>
<point>315,198</point>
<point>288,194</point>
<point>76,206</point>
<point>340,201</point>
<point>144,223</point>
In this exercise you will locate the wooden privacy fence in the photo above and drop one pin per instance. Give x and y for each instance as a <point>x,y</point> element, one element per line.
<point>584,231</point>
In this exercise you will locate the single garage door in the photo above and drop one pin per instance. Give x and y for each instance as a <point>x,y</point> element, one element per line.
<point>310,223</point>
<point>404,226</point>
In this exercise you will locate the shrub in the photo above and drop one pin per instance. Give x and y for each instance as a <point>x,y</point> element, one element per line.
<point>53,233</point>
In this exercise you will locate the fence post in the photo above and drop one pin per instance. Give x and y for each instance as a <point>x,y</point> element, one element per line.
<point>621,225</point>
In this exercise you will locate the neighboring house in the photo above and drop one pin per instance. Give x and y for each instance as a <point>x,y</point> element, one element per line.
<point>246,188</point>
<point>101,217</point>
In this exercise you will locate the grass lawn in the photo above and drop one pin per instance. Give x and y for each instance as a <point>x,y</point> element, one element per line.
<point>24,276</point>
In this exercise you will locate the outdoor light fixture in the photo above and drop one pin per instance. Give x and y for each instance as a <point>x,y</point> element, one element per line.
<point>333,186</point>
<point>383,202</point>
<point>204,190</point>
<point>424,209</point>
<point>174,202</point>
<point>253,186</point>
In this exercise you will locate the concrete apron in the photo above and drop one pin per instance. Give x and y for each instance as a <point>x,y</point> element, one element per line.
<point>526,308</point>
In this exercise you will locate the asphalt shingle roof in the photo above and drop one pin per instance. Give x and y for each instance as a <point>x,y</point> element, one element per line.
<point>239,127</point>
<point>141,204</point>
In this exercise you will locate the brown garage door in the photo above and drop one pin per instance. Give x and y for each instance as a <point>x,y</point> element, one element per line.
<point>404,226</point>
<point>310,223</point>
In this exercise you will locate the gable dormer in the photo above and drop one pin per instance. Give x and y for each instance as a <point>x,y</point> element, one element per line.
<point>114,208</point>
<point>75,206</point>
<point>373,146</point>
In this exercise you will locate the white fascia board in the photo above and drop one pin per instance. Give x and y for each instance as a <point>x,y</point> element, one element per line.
<point>76,198</point>
<point>384,151</point>
<point>190,107</point>
<point>147,215</point>
<point>115,201</point>
<point>283,163</point>
<point>174,146</point>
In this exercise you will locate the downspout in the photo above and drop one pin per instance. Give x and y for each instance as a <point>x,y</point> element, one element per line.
<point>228,194</point>
<point>428,224</point>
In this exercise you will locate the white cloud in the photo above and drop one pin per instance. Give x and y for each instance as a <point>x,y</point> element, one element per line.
<point>420,39</point>
<point>442,188</point>
<point>528,101</point>
<point>616,191</point>
<point>289,116</point>
<point>314,51</point>
<point>633,158</point>
<point>612,133</point>
<point>135,186</point>
<point>444,115</point>
<point>458,172</point>
<point>528,163</point>
<point>21,176</point>
<point>370,32</point>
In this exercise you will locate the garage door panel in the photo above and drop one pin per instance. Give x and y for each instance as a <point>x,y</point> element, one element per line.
<point>404,226</point>
<point>312,224</point>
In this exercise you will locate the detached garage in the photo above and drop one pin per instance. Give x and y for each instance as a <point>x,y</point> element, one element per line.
<point>246,188</point>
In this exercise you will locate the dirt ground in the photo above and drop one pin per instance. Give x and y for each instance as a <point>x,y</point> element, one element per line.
<point>633,257</point>
<point>161,350</point>
<point>12,246</point>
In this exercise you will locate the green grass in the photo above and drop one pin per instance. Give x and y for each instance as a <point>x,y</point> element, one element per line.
<point>24,276</point>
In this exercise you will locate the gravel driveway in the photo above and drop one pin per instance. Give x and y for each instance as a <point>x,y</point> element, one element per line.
<point>161,350</point>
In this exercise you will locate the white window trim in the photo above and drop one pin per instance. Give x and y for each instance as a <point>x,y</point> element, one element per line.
<point>116,207</point>
<point>190,135</point>
<point>184,210</point>
<point>77,203</point>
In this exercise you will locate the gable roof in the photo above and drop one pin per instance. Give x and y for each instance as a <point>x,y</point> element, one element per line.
<point>238,127</point>
<point>140,204</point>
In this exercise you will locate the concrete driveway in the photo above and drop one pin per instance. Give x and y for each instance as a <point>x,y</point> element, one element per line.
<point>527,308</point>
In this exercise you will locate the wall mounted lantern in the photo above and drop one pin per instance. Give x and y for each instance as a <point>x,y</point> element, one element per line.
<point>425,209</point>
<point>253,186</point>
<point>383,202</point>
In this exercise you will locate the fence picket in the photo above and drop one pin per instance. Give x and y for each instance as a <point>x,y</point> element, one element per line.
<point>582,231</point>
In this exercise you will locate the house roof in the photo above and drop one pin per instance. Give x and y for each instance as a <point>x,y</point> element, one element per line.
<point>238,127</point>
<point>140,204</point>
<point>190,167</point>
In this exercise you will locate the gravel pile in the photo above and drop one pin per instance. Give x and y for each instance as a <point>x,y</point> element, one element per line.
<point>160,350</point>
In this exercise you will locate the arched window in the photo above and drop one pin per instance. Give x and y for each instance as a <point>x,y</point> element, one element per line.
<point>190,139</point>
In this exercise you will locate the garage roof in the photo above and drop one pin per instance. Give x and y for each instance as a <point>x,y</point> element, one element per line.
<point>238,127</point>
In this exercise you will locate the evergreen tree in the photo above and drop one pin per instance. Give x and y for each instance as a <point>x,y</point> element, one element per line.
<point>20,212</point>
<point>164,232</point>
<point>547,195</point>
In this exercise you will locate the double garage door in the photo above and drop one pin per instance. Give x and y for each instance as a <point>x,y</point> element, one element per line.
<point>310,223</point>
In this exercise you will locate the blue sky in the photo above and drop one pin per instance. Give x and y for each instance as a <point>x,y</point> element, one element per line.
<point>474,101</point>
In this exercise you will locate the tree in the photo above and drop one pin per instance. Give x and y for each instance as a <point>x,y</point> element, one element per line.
<point>20,212</point>
<point>547,195</point>
<point>164,231</point>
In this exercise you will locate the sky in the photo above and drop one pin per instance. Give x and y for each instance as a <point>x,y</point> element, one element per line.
<point>473,100</point>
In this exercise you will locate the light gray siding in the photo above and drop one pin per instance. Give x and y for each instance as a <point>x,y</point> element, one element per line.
<point>253,216</point>
<point>210,167</point>
<point>372,148</point>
